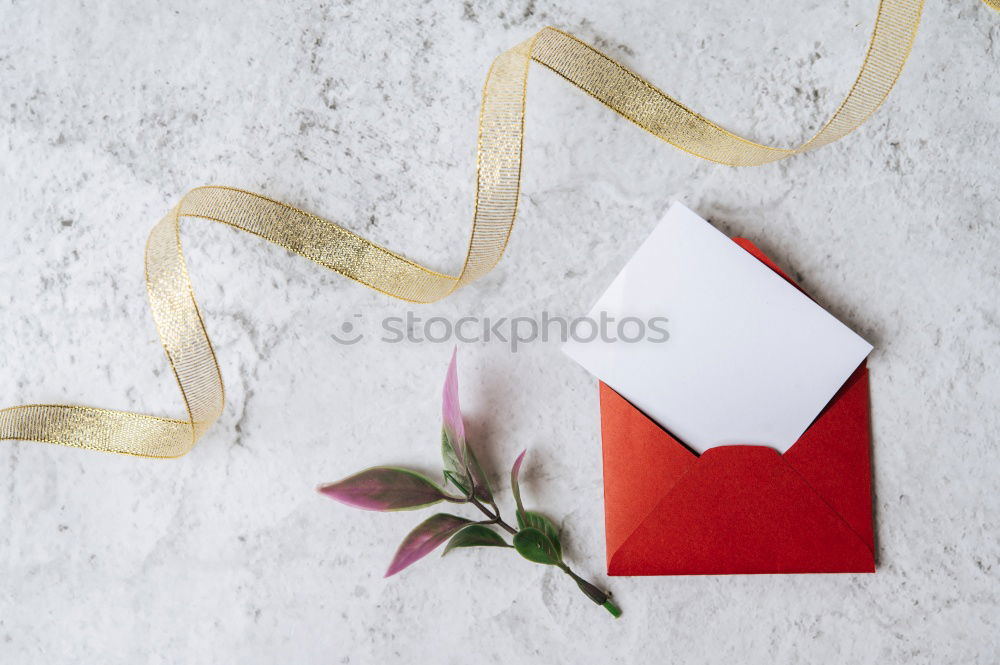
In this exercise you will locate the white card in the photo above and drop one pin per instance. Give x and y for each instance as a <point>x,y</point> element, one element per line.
<point>748,358</point>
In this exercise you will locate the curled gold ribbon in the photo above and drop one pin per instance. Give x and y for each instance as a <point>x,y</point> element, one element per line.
<point>498,176</point>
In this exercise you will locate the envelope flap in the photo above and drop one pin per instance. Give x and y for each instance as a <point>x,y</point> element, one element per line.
<point>833,456</point>
<point>641,463</point>
<point>741,509</point>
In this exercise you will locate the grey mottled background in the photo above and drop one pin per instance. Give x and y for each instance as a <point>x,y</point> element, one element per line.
<point>365,112</point>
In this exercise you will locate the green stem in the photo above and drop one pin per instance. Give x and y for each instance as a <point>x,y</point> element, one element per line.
<point>602,598</point>
<point>494,517</point>
<point>615,611</point>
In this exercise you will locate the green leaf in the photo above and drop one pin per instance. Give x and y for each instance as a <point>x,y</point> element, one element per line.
<point>482,484</point>
<point>475,535</point>
<point>385,488</point>
<point>449,476</point>
<point>454,467</point>
<point>535,546</point>
<point>461,476</point>
<point>530,519</point>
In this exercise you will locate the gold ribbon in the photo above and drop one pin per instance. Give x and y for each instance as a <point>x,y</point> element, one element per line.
<point>498,178</point>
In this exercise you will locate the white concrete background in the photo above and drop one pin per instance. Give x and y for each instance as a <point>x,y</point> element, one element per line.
<point>365,112</point>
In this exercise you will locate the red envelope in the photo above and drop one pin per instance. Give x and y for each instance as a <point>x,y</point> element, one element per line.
<point>739,509</point>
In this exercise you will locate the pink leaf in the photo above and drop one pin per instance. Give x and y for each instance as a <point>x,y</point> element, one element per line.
<point>385,488</point>
<point>515,471</point>
<point>424,539</point>
<point>454,428</point>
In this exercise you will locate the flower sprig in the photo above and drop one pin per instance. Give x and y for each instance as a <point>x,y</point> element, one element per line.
<point>387,488</point>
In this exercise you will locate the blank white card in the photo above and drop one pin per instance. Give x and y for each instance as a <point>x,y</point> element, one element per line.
<point>747,359</point>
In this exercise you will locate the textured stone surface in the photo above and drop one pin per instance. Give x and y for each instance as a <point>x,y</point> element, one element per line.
<point>365,112</point>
